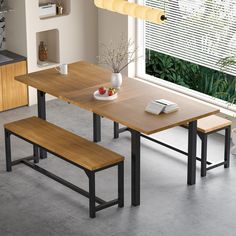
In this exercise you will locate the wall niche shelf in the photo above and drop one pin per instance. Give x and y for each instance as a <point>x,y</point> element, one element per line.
<point>51,39</point>
<point>66,4</point>
<point>52,17</point>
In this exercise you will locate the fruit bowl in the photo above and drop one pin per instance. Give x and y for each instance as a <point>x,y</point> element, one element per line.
<point>104,97</point>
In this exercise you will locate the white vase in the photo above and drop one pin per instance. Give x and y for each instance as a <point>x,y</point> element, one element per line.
<point>233,149</point>
<point>116,80</point>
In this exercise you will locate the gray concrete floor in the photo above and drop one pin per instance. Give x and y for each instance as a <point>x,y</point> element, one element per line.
<point>33,205</point>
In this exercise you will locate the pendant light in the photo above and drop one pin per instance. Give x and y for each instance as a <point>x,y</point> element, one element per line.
<point>124,7</point>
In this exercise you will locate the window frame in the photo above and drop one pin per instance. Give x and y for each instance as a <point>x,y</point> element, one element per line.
<point>140,67</point>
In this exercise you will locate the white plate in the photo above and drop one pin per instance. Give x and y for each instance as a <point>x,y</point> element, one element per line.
<point>104,97</point>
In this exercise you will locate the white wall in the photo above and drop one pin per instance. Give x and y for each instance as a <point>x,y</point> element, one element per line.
<point>81,32</point>
<point>110,27</point>
<point>16,27</point>
<point>78,33</point>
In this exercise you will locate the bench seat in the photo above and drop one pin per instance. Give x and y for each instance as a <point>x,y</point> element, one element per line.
<point>70,147</point>
<point>65,144</point>
<point>212,123</point>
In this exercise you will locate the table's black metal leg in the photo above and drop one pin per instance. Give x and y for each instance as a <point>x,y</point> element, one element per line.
<point>41,105</point>
<point>42,115</point>
<point>92,210</point>
<point>203,138</point>
<point>8,151</point>
<point>96,128</point>
<point>116,130</point>
<point>192,148</point>
<point>135,167</point>
<point>121,184</point>
<point>36,153</point>
<point>227,146</point>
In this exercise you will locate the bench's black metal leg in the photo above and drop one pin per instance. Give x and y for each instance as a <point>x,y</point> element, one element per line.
<point>8,151</point>
<point>203,138</point>
<point>36,153</point>
<point>135,167</point>
<point>192,148</point>
<point>96,128</point>
<point>92,210</point>
<point>227,146</point>
<point>42,115</point>
<point>121,184</point>
<point>116,130</point>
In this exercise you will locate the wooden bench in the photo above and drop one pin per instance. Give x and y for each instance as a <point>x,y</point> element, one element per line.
<point>207,126</point>
<point>76,150</point>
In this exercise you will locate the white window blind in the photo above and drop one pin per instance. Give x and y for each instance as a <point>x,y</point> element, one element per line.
<point>198,31</point>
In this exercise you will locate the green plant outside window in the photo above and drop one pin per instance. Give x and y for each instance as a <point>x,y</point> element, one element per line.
<point>199,78</point>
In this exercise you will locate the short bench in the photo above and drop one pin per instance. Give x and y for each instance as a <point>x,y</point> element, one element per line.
<point>207,126</point>
<point>71,148</point>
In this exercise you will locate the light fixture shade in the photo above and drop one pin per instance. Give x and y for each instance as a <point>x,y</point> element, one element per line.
<point>98,3</point>
<point>108,4</point>
<point>153,16</point>
<point>119,5</point>
<point>129,9</point>
<point>132,9</point>
<point>140,12</point>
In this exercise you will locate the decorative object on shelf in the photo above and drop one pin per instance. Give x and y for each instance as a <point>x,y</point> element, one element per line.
<point>124,7</point>
<point>47,10</point>
<point>117,58</point>
<point>233,149</point>
<point>60,8</point>
<point>43,52</point>
<point>62,69</point>
<point>105,94</point>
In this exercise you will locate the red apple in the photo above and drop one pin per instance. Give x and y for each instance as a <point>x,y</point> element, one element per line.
<point>102,90</point>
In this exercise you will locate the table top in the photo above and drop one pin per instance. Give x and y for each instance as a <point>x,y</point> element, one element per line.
<point>128,109</point>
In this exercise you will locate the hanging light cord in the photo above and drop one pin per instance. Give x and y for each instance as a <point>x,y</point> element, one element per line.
<point>164,16</point>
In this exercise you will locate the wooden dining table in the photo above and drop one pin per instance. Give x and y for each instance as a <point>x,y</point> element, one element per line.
<point>128,109</point>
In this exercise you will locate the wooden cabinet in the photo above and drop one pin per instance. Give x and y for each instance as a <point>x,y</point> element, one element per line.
<point>13,93</point>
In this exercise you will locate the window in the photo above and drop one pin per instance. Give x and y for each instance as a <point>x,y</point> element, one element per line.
<point>196,35</point>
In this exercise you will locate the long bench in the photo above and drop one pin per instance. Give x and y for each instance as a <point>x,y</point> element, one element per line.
<point>71,148</point>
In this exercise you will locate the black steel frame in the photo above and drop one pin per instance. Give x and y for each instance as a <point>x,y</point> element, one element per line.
<point>42,115</point>
<point>135,149</point>
<point>202,136</point>
<point>93,199</point>
<point>135,167</point>
<point>204,139</point>
<point>96,128</point>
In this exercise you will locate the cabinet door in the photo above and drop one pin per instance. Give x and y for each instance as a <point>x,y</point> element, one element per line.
<point>15,94</point>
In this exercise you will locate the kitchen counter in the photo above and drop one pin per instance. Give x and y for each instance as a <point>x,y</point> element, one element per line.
<point>7,57</point>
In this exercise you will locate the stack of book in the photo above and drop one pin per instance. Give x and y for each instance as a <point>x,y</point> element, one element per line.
<point>158,106</point>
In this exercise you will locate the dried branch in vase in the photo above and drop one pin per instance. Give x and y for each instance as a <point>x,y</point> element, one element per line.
<point>118,56</point>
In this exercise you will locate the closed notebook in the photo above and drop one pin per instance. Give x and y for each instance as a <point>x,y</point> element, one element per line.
<point>169,106</point>
<point>154,107</point>
<point>158,106</point>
